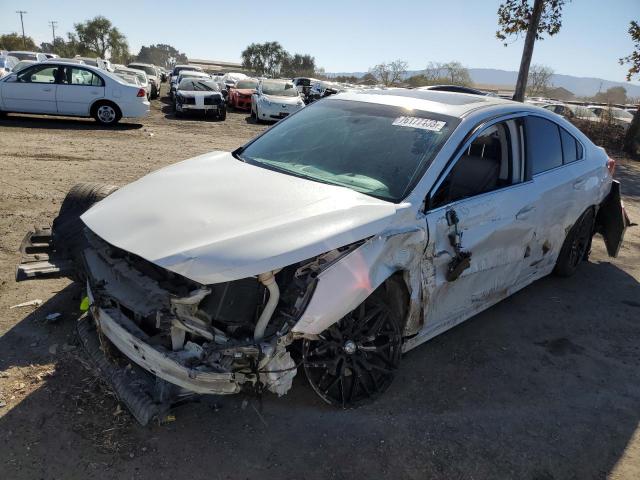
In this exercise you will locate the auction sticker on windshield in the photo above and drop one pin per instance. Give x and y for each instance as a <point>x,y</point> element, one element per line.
<point>422,123</point>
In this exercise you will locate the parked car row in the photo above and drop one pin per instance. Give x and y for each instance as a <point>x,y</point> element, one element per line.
<point>593,113</point>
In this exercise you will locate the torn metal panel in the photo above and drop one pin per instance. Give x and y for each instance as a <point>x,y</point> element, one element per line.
<point>344,285</point>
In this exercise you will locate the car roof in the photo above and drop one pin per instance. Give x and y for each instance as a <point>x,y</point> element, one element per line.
<point>22,51</point>
<point>448,103</point>
<point>140,63</point>
<point>193,72</point>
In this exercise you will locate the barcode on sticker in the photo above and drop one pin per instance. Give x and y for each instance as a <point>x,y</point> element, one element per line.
<point>422,123</point>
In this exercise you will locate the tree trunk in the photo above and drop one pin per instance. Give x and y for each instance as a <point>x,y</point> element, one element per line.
<point>632,138</point>
<point>527,51</point>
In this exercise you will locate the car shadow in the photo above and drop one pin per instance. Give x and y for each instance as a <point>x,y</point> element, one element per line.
<point>544,385</point>
<point>626,175</point>
<point>57,123</point>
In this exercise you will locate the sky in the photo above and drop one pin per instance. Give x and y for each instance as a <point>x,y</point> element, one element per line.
<point>350,35</point>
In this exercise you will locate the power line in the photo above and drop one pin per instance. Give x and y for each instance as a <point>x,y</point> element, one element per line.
<point>24,40</point>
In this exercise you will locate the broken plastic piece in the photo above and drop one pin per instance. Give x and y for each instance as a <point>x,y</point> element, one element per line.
<point>31,303</point>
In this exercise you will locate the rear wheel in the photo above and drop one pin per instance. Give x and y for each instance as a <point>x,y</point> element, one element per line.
<point>576,246</point>
<point>355,360</point>
<point>106,113</point>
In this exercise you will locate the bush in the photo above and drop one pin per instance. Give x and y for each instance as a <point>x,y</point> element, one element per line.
<point>604,134</point>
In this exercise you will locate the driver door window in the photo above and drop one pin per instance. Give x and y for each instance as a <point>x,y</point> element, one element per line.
<point>40,74</point>
<point>492,161</point>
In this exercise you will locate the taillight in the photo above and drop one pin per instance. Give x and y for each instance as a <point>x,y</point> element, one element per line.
<point>141,93</point>
<point>611,165</point>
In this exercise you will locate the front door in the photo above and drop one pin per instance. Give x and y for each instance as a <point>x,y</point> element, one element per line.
<point>33,91</point>
<point>79,88</point>
<point>482,225</point>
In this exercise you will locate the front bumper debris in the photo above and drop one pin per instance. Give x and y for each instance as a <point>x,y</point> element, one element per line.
<point>139,393</point>
<point>160,364</point>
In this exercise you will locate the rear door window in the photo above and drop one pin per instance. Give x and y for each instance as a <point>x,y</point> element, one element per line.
<point>544,147</point>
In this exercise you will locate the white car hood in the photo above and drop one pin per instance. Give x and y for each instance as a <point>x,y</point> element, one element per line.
<point>214,218</point>
<point>282,100</point>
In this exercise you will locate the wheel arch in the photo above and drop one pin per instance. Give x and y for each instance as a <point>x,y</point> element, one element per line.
<point>392,263</point>
<point>100,101</point>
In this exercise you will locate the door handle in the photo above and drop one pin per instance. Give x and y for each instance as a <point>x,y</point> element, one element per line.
<point>48,89</point>
<point>525,211</point>
<point>579,183</point>
<point>94,92</point>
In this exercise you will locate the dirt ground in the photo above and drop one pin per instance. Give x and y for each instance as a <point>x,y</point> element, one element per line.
<point>545,385</point>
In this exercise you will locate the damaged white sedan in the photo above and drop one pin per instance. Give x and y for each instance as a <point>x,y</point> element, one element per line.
<point>351,232</point>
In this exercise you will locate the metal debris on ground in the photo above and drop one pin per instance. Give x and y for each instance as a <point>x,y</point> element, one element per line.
<point>52,317</point>
<point>31,303</point>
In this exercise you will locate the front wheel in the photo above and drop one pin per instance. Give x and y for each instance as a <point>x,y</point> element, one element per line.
<point>354,361</point>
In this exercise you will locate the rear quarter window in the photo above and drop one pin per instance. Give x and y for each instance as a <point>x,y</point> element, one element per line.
<point>571,148</point>
<point>544,147</point>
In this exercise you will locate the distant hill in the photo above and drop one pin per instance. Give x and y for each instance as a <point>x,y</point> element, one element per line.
<point>580,86</point>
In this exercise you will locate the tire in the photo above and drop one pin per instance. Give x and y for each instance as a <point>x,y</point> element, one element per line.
<point>222,114</point>
<point>257,119</point>
<point>576,246</point>
<point>67,230</point>
<point>106,113</point>
<point>354,361</point>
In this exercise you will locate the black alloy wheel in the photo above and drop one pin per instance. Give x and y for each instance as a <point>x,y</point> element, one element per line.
<point>355,360</point>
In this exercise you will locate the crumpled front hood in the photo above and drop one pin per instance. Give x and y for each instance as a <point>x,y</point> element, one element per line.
<point>214,218</point>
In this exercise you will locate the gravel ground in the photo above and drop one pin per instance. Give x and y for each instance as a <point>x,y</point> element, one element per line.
<point>545,385</point>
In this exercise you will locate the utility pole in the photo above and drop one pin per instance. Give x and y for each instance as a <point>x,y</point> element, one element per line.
<point>24,40</point>
<point>527,52</point>
<point>53,24</point>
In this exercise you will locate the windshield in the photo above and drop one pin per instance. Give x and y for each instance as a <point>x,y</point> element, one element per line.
<point>619,113</point>
<point>247,84</point>
<point>24,55</point>
<point>148,69</point>
<point>379,150</point>
<point>197,85</point>
<point>280,89</point>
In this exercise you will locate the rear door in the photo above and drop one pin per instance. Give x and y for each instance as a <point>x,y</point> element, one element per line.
<point>79,88</point>
<point>32,91</point>
<point>565,183</point>
<point>482,223</point>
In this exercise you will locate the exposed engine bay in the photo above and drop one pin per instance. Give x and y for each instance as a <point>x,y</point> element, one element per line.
<point>217,339</point>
